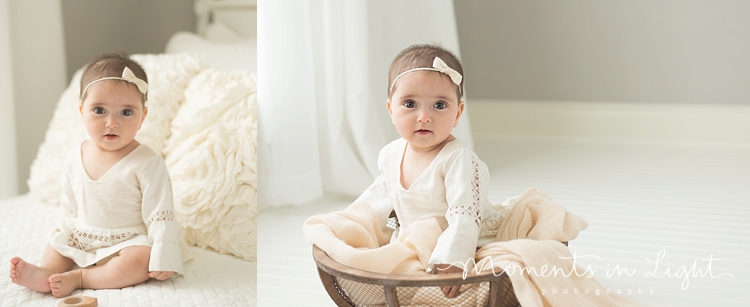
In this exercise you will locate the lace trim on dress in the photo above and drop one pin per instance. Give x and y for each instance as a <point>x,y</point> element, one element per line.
<point>491,225</point>
<point>161,216</point>
<point>474,210</point>
<point>475,188</point>
<point>85,241</point>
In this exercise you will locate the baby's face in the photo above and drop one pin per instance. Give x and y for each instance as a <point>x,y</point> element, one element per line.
<point>424,107</point>
<point>112,113</point>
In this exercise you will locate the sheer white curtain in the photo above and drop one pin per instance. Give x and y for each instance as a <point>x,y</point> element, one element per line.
<point>8,173</point>
<point>322,78</point>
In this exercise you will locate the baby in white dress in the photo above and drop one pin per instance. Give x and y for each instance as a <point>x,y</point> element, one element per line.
<point>119,227</point>
<point>428,173</point>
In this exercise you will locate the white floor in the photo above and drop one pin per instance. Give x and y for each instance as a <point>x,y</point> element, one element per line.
<point>687,203</point>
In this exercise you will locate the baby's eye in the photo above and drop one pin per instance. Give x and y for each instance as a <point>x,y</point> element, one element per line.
<point>410,104</point>
<point>99,110</point>
<point>127,112</point>
<point>441,105</point>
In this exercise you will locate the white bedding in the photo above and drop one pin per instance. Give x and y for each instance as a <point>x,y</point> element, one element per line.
<point>211,279</point>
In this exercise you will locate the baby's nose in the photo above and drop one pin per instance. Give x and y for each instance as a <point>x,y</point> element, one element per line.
<point>424,117</point>
<point>111,122</point>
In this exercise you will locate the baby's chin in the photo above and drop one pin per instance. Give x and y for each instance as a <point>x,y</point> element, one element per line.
<point>116,144</point>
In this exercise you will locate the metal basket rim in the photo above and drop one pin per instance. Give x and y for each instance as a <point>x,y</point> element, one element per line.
<point>330,266</point>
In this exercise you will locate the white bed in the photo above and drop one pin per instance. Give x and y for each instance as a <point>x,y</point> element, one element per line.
<point>201,101</point>
<point>211,279</point>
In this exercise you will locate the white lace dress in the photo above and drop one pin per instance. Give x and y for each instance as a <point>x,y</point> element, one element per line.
<point>453,189</point>
<point>131,204</point>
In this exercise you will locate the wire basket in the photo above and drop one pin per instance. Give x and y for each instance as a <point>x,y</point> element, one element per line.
<point>349,287</point>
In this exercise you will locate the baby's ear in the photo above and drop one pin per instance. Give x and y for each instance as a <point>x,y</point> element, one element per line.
<point>145,112</point>
<point>390,111</point>
<point>460,111</point>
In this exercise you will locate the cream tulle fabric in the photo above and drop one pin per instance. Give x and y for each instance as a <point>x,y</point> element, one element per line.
<point>528,237</point>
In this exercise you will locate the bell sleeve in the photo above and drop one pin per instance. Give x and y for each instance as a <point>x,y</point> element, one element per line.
<point>465,182</point>
<point>159,217</point>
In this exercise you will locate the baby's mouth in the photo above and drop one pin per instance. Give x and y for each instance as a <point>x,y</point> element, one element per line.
<point>422,131</point>
<point>110,136</point>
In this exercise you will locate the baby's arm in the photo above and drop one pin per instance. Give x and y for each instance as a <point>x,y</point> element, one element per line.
<point>68,201</point>
<point>377,197</point>
<point>158,215</point>
<point>464,182</point>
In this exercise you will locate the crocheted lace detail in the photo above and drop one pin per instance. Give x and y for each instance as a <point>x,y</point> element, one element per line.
<point>161,216</point>
<point>85,241</point>
<point>491,225</point>
<point>474,210</point>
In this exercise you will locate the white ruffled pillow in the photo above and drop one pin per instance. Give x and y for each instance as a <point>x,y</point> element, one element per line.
<point>212,160</point>
<point>168,76</point>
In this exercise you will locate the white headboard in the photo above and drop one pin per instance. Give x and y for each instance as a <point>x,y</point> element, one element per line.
<point>238,15</point>
<point>226,35</point>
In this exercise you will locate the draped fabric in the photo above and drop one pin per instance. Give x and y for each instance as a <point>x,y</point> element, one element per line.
<point>322,80</point>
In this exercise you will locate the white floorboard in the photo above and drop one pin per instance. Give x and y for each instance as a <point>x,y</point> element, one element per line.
<point>687,202</point>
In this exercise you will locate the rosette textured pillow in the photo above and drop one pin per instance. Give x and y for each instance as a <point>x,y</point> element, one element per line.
<point>211,155</point>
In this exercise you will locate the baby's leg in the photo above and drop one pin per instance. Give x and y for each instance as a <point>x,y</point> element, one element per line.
<point>128,268</point>
<point>37,277</point>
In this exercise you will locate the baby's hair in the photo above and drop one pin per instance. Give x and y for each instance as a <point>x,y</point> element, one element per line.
<point>112,65</point>
<point>422,55</point>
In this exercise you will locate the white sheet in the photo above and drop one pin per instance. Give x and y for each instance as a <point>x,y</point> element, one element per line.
<point>211,279</point>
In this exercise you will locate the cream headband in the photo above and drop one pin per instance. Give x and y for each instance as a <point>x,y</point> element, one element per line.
<point>127,75</point>
<point>439,66</point>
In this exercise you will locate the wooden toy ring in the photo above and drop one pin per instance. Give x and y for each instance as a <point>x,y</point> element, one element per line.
<point>78,301</point>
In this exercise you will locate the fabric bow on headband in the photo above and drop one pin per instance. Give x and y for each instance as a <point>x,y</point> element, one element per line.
<point>439,66</point>
<point>127,75</point>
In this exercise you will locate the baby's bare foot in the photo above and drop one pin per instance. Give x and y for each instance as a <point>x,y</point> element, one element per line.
<point>28,275</point>
<point>64,284</point>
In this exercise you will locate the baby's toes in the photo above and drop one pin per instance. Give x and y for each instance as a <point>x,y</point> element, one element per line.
<point>55,281</point>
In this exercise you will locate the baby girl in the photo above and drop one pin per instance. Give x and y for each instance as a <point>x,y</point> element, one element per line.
<point>119,228</point>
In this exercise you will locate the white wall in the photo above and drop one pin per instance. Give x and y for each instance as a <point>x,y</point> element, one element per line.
<point>667,51</point>
<point>39,74</point>
<point>46,37</point>
<point>95,27</point>
<point>8,170</point>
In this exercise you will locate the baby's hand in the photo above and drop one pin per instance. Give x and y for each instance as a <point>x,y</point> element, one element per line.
<point>449,291</point>
<point>160,275</point>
